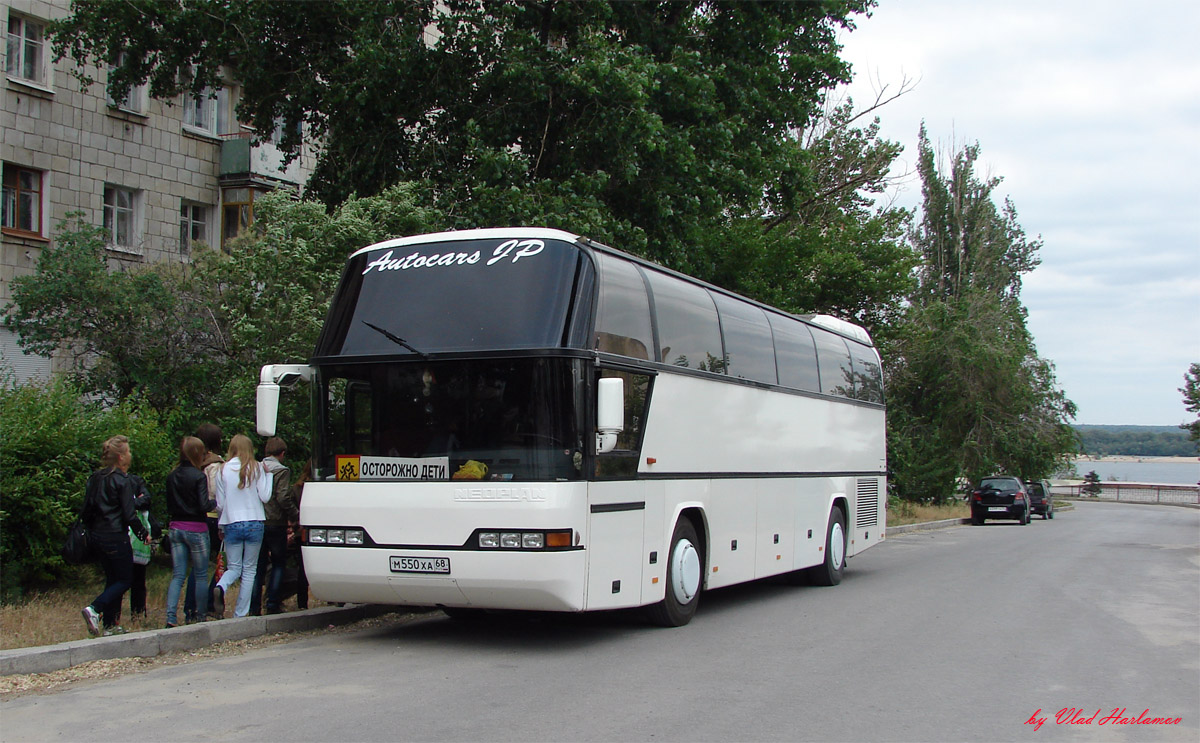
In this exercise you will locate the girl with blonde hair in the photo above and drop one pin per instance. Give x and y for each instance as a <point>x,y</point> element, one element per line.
<point>243,486</point>
<point>109,513</point>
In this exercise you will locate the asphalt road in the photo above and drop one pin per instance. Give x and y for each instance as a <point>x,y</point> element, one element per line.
<point>959,634</point>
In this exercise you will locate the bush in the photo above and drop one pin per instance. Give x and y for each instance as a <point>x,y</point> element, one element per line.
<point>51,444</point>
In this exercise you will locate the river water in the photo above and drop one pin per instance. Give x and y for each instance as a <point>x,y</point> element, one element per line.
<point>1163,473</point>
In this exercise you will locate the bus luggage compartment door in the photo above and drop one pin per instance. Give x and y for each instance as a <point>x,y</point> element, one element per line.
<point>616,526</point>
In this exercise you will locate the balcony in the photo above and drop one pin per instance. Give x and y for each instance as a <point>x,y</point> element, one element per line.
<point>243,162</point>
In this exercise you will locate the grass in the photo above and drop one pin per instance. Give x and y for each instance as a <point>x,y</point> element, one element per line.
<point>905,512</point>
<point>54,616</point>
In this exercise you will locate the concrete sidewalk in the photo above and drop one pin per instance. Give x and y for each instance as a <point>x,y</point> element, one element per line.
<point>152,643</point>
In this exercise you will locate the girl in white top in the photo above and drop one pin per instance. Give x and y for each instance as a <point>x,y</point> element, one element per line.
<point>243,486</point>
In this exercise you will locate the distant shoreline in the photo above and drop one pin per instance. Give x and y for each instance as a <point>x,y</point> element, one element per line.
<point>1125,458</point>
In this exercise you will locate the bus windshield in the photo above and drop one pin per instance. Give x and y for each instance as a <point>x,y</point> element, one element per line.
<point>452,296</point>
<point>511,419</point>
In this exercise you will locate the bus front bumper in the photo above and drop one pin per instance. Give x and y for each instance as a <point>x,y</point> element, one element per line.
<point>540,581</point>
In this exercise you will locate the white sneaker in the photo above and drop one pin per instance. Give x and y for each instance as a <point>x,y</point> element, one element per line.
<point>93,620</point>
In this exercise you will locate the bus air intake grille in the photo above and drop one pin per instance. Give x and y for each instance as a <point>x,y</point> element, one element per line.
<point>866,508</point>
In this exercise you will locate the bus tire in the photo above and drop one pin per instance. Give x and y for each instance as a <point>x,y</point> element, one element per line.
<point>685,575</point>
<point>829,573</point>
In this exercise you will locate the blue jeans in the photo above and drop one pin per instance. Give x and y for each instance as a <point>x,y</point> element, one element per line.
<point>187,548</point>
<point>116,557</point>
<point>243,540</point>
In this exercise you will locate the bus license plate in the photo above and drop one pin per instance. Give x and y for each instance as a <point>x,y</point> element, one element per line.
<point>421,565</point>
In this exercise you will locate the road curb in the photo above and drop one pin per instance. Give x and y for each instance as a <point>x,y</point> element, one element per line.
<point>924,526</point>
<point>153,643</point>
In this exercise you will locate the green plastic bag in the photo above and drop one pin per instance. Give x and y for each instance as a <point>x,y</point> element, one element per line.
<point>141,550</point>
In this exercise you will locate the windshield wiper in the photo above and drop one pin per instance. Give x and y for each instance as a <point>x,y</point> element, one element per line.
<point>393,338</point>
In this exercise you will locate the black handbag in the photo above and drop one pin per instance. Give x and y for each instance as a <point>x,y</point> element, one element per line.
<point>75,549</point>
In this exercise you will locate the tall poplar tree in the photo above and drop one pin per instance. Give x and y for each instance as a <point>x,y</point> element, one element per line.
<point>969,395</point>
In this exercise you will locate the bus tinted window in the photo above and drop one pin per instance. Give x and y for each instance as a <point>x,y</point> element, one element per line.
<point>623,317</point>
<point>749,352</point>
<point>795,354</point>
<point>505,294</point>
<point>868,376</point>
<point>688,330</point>
<point>833,358</point>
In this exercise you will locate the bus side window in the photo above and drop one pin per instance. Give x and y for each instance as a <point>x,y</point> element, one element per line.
<point>623,317</point>
<point>689,332</point>
<point>833,359</point>
<point>748,350</point>
<point>795,354</point>
<point>868,376</point>
<point>622,462</point>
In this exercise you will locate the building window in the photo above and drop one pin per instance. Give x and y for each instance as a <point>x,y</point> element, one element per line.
<point>22,197</point>
<point>193,226</point>
<point>119,213</point>
<point>210,112</point>
<point>237,213</point>
<point>26,50</point>
<point>135,97</point>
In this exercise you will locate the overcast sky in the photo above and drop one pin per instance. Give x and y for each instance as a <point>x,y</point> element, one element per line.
<point>1090,112</point>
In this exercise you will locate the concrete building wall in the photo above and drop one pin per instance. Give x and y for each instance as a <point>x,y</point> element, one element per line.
<point>79,145</point>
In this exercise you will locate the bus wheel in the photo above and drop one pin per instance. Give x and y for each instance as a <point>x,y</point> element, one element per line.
<point>829,573</point>
<point>685,570</point>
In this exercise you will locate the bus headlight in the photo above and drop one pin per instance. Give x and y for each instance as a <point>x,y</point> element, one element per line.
<point>522,540</point>
<point>336,536</point>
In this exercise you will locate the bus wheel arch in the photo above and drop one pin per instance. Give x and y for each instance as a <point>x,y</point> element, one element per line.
<point>686,560</point>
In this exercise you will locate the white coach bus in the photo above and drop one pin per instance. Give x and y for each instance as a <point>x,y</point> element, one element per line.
<point>526,419</point>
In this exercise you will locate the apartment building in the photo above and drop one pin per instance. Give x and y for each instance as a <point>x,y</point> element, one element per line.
<point>159,176</point>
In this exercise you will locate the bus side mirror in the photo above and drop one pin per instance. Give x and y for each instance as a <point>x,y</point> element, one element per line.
<point>269,380</point>
<point>610,413</point>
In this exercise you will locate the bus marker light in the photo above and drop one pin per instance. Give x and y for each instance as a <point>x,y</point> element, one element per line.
<point>654,580</point>
<point>651,460</point>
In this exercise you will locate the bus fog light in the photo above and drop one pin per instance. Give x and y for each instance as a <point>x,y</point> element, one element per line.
<point>354,536</point>
<point>510,540</point>
<point>317,536</point>
<point>489,539</point>
<point>337,536</point>
<point>533,540</point>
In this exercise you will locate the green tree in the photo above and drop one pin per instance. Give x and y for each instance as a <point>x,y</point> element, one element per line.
<point>52,441</point>
<point>1091,484</point>
<point>189,340</point>
<point>968,394</point>
<point>1191,400</point>
<point>642,124</point>
<point>125,330</point>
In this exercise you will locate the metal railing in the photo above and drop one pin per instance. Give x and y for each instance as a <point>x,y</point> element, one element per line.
<point>1135,492</point>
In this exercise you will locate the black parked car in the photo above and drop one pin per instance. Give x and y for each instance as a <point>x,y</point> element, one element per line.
<point>1040,499</point>
<point>1000,497</point>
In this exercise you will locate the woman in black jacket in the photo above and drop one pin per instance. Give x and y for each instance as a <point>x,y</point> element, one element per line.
<point>109,515</point>
<point>188,503</point>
